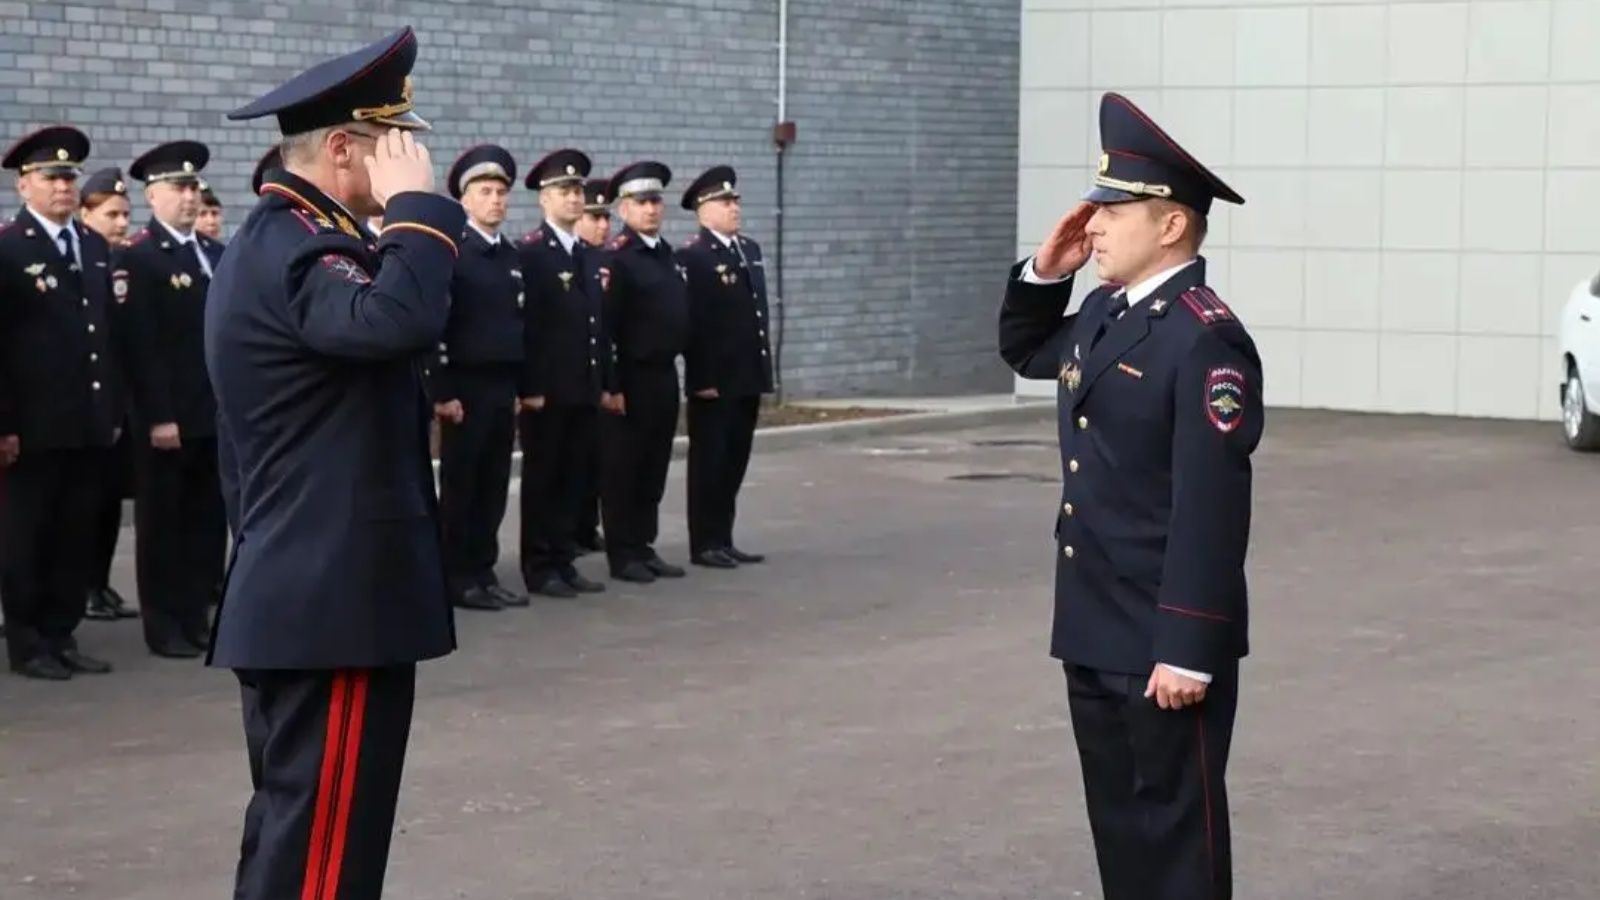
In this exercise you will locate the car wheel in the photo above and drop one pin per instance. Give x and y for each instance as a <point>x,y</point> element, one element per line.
<point>1580,426</point>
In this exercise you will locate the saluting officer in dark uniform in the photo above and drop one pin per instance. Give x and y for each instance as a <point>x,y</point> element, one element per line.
<point>594,229</point>
<point>473,381</point>
<point>1160,407</point>
<point>336,588</point>
<point>728,366</point>
<point>565,370</point>
<point>60,405</point>
<point>646,312</point>
<point>161,279</point>
<point>103,208</point>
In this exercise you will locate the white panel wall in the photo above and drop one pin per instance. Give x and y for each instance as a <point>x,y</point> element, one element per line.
<point>1421,178</point>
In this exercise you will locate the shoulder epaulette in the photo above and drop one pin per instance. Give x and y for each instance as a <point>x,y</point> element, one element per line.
<point>6,226</point>
<point>692,240</point>
<point>618,242</point>
<point>141,237</point>
<point>1206,305</point>
<point>529,238</point>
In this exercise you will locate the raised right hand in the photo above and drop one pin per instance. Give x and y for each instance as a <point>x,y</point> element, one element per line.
<point>1068,246</point>
<point>398,164</point>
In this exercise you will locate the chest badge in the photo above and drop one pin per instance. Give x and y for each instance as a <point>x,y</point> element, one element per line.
<point>1071,375</point>
<point>725,276</point>
<point>40,285</point>
<point>180,281</point>
<point>566,280</point>
<point>35,270</point>
<point>1075,353</point>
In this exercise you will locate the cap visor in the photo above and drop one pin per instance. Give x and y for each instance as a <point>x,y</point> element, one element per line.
<point>1097,194</point>
<point>409,121</point>
<point>58,171</point>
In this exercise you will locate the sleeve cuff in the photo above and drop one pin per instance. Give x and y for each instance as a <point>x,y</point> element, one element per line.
<point>1032,277</point>
<point>1202,677</point>
<point>417,213</point>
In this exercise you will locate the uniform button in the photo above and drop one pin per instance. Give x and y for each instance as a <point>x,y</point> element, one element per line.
<point>1068,552</point>
<point>763,334</point>
<point>86,301</point>
<point>96,385</point>
<point>759,314</point>
<point>91,329</point>
<point>1066,508</point>
<point>1072,465</point>
<point>591,320</point>
<point>94,357</point>
<point>1083,422</point>
<point>593,341</point>
<point>763,353</point>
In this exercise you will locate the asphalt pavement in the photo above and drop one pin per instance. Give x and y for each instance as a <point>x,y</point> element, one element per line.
<point>872,715</point>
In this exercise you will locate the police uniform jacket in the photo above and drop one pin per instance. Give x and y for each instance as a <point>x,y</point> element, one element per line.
<point>646,303</point>
<point>162,289</point>
<point>314,339</point>
<point>728,345</point>
<point>1157,425</point>
<point>61,383</point>
<point>486,308</point>
<point>567,357</point>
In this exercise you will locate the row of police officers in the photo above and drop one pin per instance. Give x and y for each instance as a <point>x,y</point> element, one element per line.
<point>565,342</point>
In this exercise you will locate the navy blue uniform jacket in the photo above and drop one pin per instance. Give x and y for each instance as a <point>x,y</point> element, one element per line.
<point>1157,426</point>
<point>728,345</point>
<point>314,339</point>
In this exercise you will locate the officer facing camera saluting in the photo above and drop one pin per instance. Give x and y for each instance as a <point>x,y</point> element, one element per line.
<point>1160,410</point>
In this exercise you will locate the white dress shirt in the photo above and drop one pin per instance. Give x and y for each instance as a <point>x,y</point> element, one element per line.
<point>492,239</point>
<point>54,230</point>
<point>205,263</point>
<point>1135,294</point>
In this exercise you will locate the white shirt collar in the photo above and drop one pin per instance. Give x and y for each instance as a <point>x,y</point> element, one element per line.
<point>178,236</point>
<point>493,239</point>
<point>50,227</point>
<point>650,240</point>
<point>1145,288</point>
<point>566,238</point>
<point>727,240</point>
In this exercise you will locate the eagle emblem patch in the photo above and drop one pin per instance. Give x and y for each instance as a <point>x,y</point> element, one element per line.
<point>1225,398</point>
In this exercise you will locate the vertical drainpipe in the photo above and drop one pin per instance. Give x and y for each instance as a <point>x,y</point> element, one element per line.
<point>783,134</point>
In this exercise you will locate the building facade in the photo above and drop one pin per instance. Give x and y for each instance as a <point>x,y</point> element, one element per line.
<point>906,118</point>
<point>1419,176</point>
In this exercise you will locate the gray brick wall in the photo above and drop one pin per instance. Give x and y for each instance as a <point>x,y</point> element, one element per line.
<point>899,213</point>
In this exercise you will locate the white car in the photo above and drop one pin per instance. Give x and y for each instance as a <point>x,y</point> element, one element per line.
<point>1580,363</point>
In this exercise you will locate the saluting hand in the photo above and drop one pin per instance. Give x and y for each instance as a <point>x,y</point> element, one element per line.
<point>1068,246</point>
<point>399,164</point>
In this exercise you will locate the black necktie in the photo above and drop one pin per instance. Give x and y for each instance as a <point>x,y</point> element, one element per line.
<point>64,237</point>
<point>1117,306</point>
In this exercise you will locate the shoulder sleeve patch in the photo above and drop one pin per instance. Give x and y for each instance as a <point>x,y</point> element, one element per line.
<point>344,268</point>
<point>119,285</point>
<point>1224,397</point>
<point>1206,305</point>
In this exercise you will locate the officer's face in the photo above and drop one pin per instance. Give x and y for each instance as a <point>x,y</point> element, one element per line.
<point>176,203</point>
<point>109,219</point>
<point>485,201</point>
<point>642,214</point>
<point>1130,238</point>
<point>209,222</point>
<point>51,194</point>
<point>721,216</point>
<point>562,204</point>
<point>593,228</point>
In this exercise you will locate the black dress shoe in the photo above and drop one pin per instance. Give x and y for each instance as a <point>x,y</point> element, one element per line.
<point>740,556</point>
<point>175,647</point>
<point>98,607</point>
<point>478,598</point>
<point>119,603</point>
<point>713,559</point>
<point>507,596</point>
<point>43,668</point>
<point>582,585</point>
<point>662,568</point>
<point>77,661</point>
<point>634,571</point>
<point>553,586</point>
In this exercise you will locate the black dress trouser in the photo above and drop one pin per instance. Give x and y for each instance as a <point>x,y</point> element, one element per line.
<point>118,485</point>
<point>327,750</point>
<point>181,538</point>
<point>47,547</point>
<point>1153,782</point>
<point>637,452</point>
<point>475,475</point>
<point>721,431</point>
<point>558,446</point>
